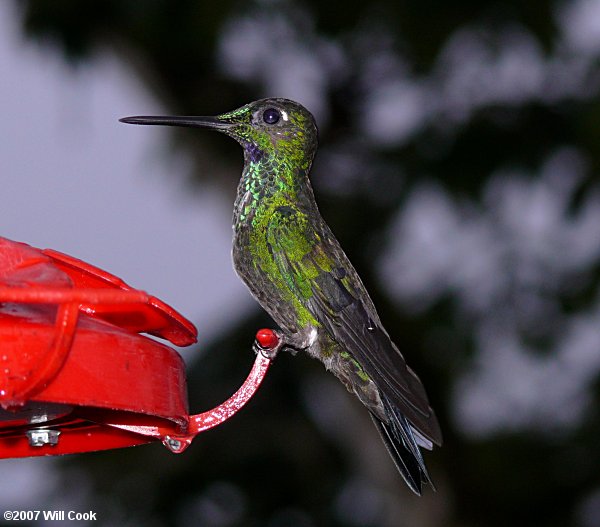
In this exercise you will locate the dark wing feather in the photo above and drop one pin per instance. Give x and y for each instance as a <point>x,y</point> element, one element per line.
<point>371,346</point>
<point>342,307</point>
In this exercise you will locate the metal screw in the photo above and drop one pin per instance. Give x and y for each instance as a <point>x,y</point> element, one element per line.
<point>172,444</point>
<point>42,436</point>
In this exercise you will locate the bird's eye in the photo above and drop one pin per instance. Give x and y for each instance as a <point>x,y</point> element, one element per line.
<point>271,116</point>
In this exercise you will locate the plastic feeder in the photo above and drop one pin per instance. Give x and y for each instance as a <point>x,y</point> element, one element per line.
<point>76,375</point>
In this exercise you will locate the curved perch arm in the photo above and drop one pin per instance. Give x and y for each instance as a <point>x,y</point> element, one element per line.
<point>266,343</point>
<point>201,422</point>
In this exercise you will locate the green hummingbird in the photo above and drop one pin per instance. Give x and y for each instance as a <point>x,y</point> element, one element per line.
<point>295,268</point>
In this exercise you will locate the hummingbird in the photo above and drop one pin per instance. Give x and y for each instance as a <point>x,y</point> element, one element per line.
<point>296,269</point>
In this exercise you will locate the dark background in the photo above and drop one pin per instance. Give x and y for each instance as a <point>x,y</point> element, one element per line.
<point>458,166</point>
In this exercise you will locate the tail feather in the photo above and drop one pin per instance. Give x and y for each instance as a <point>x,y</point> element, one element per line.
<point>402,442</point>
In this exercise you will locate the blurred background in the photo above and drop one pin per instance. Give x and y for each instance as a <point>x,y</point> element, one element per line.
<point>459,167</point>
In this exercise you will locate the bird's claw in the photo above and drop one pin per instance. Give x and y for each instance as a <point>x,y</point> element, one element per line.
<point>269,342</point>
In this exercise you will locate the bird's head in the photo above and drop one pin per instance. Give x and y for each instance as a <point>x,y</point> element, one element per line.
<point>265,128</point>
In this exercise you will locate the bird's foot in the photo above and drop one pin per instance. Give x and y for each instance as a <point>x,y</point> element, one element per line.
<point>269,342</point>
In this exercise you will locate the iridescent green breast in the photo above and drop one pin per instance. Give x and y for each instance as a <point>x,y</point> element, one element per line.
<point>257,265</point>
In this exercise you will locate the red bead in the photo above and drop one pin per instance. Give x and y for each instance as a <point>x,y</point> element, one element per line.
<point>267,338</point>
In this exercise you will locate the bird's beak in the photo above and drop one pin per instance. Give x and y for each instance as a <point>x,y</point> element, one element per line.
<point>196,122</point>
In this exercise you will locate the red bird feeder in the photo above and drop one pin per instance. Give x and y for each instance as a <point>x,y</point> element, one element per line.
<point>75,373</point>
